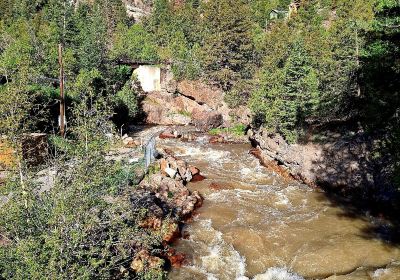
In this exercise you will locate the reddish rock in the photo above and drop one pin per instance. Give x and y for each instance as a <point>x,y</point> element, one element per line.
<point>151,222</point>
<point>194,170</point>
<point>215,186</point>
<point>166,135</point>
<point>188,137</point>
<point>198,178</point>
<point>205,120</point>
<point>143,258</point>
<point>163,166</point>
<point>129,142</point>
<point>177,260</point>
<point>216,139</point>
<point>201,92</point>
<point>173,193</point>
<point>168,152</point>
<point>172,233</point>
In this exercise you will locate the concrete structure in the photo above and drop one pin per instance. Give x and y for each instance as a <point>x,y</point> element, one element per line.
<point>149,77</point>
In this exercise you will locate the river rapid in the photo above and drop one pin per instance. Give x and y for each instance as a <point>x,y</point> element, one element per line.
<point>254,224</point>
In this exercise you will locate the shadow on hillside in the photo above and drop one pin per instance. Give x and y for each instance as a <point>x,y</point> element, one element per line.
<point>358,182</point>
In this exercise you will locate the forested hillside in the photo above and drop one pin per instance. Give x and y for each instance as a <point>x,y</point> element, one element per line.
<point>322,65</point>
<point>331,61</point>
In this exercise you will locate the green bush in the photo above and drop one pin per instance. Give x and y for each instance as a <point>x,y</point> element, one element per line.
<point>127,98</point>
<point>82,228</point>
<point>237,130</point>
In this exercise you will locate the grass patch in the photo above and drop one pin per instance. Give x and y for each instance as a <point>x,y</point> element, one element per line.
<point>237,130</point>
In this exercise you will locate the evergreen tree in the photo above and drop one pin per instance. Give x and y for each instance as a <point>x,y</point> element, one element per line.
<point>228,47</point>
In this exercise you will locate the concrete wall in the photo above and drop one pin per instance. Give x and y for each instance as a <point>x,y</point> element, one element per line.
<point>149,77</point>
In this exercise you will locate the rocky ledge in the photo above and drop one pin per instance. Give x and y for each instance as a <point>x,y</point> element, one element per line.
<point>337,162</point>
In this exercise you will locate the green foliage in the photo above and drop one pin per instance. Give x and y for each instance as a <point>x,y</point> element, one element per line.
<point>309,71</point>
<point>84,226</point>
<point>80,229</point>
<point>228,49</point>
<point>381,80</point>
<point>91,113</point>
<point>236,130</point>
<point>239,94</point>
<point>179,34</point>
<point>128,98</point>
<point>262,8</point>
<point>91,26</point>
<point>187,61</point>
<point>134,43</point>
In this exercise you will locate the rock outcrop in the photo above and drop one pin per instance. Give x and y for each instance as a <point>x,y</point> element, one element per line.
<point>214,99</point>
<point>137,9</point>
<point>193,103</point>
<point>336,163</point>
<point>165,194</point>
<point>207,120</point>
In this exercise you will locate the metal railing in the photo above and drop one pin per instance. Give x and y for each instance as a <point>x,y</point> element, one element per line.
<point>150,152</point>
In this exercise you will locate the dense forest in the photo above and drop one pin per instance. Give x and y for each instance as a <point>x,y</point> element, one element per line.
<point>329,63</point>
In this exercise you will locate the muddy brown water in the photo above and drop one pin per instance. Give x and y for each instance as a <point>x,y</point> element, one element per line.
<point>256,225</point>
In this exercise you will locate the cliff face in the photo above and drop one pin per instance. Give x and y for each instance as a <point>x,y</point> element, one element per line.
<point>191,102</point>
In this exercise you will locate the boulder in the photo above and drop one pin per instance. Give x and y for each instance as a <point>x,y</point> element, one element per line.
<point>173,194</point>
<point>188,175</point>
<point>129,142</point>
<point>205,121</point>
<point>166,135</point>
<point>171,232</point>
<point>197,178</point>
<point>194,170</point>
<point>143,258</point>
<point>201,93</point>
<point>216,139</point>
<point>171,172</point>
<point>214,99</point>
<point>137,9</point>
<point>335,163</point>
<point>182,166</point>
<point>163,165</point>
<point>189,137</point>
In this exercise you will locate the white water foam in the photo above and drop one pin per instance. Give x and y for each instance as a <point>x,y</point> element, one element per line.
<point>206,154</point>
<point>220,259</point>
<point>278,273</point>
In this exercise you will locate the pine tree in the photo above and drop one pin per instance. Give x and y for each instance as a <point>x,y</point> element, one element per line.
<point>228,48</point>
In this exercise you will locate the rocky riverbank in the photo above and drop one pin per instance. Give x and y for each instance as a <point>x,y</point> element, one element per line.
<point>168,204</point>
<point>336,162</point>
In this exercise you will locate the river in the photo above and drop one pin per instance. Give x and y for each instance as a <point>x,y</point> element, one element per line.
<point>255,224</point>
